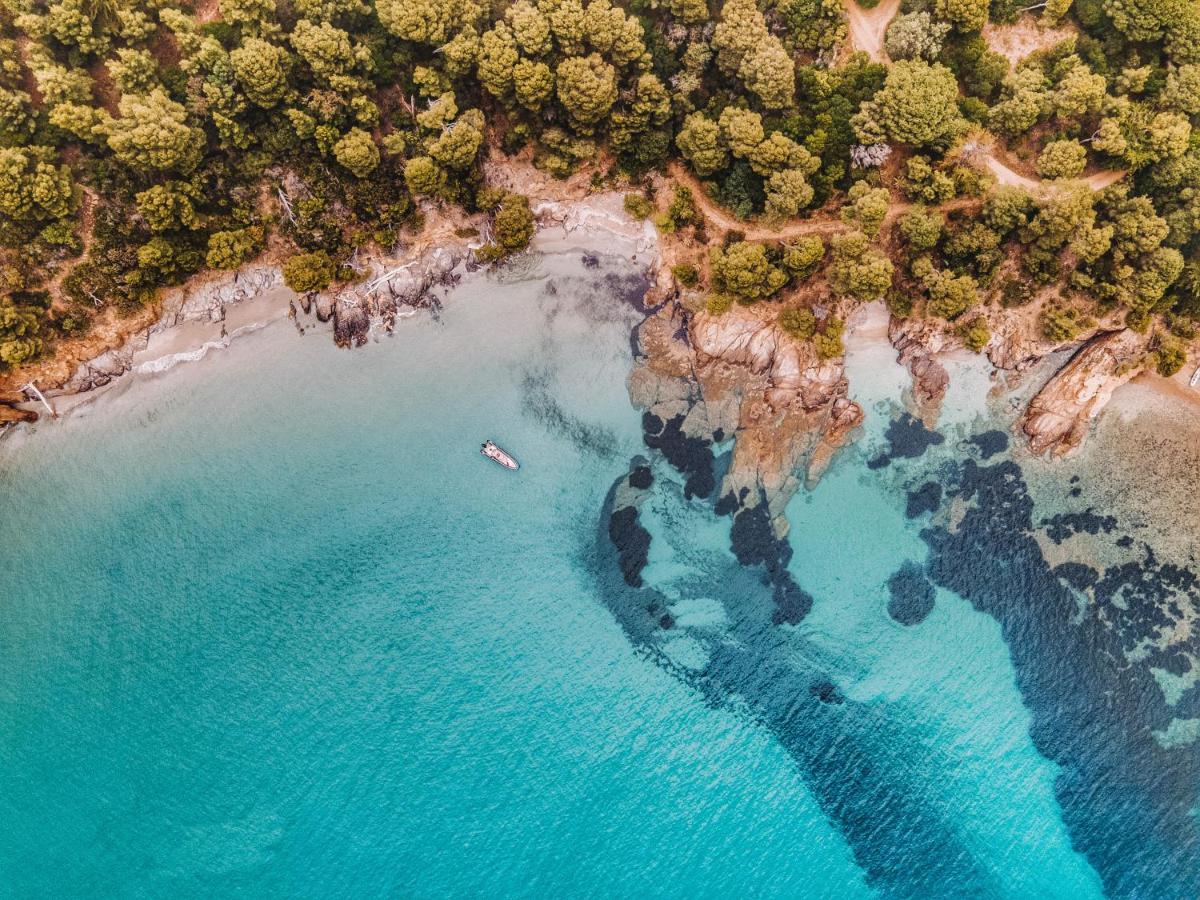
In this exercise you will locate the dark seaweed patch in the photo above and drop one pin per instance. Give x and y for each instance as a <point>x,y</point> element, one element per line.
<point>925,499</point>
<point>826,692</point>
<point>632,542</point>
<point>1078,575</point>
<point>542,405</point>
<point>908,438</point>
<point>641,478</point>
<point>989,443</point>
<point>1126,799</point>
<point>912,596</point>
<point>1061,526</point>
<point>692,456</point>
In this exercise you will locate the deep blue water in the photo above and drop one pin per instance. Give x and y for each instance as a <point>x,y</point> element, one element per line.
<point>270,625</point>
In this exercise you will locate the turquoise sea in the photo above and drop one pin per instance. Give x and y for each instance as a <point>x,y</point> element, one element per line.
<point>270,626</point>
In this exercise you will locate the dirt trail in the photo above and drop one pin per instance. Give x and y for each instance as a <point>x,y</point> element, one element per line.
<point>87,207</point>
<point>868,26</point>
<point>1097,181</point>
<point>758,231</point>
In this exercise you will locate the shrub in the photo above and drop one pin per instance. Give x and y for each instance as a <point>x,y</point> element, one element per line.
<point>686,274</point>
<point>307,272</point>
<point>638,206</point>
<point>1061,324</point>
<point>718,303</point>
<point>828,341</point>
<point>975,334</point>
<point>799,322</point>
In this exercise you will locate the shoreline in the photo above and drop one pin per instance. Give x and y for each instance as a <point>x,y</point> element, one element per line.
<point>208,313</point>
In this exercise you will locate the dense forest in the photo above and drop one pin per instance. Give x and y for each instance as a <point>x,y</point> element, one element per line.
<point>143,141</point>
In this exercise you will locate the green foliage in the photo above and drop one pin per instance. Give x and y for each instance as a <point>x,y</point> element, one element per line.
<point>744,270</point>
<point>230,249</point>
<point>858,271</point>
<point>357,153</point>
<point>802,257</point>
<point>1061,324</point>
<point>828,341</point>
<point>866,207</point>
<point>638,206</point>
<point>513,223</point>
<point>19,334</point>
<point>918,105</point>
<point>921,228</point>
<point>153,134</point>
<point>686,274</point>
<point>307,272</point>
<point>798,321</point>
<point>1169,355</point>
<point>975,334</point>
<point>587,89</point>
<point>1062,159</point>
<point>718,304</point>
<point>915,36</point>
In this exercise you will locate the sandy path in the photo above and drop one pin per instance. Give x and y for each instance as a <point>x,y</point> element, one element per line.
<point>1097,181</point>
<point>868,26</point>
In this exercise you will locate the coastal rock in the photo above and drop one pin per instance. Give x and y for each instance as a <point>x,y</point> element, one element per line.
<point>917,344</point>
<point>1057,418</point>
<point>794,373</point>
<point>205,299</point>
<point>351,321</point>
<point>708,378</point>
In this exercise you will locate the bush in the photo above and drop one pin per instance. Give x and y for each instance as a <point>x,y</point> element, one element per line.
<point>1060,324</point>
<point>828,341</point>
<point>229,249</point>
<point>975,334</point>
<point>1169,357</point>
<point>799,322</point>
<point>686,274</point>
<point>638,206</point>
<point>718,303</point>
<point>306,272</point>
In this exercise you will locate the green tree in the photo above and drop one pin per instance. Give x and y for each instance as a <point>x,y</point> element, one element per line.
<point>1062,159</point>
<point>798,321</point>
<point>857,271</point>
<point>153,134</point>
<point>587,88</point>
<point>746,48</point>
<point>701,143</point>
<point>964,15</point>
<point>423,176</point>
<point>915,36</point>
<point>743,269</point>
<point>866,206</point>
<point>430,22</point>
<point>357,153</point>
<point>32,187</point>
<point>166,207</point>
<point>307,272</point>
<point>514,222</point>
<point>260,69</point>
<point>787,192</point>
<point>917,105</point>
<point>230,249</point>
<point>19,334</point>
<point>921,228</point>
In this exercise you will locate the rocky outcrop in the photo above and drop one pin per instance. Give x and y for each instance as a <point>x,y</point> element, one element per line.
<point>9,413</point>
<point>917,344</point>
<point>709,378</point>
<point>1057,418</point>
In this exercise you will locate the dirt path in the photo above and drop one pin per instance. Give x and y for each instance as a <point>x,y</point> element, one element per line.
<point>1097,181</point>
<point>868,26</point>
<point>87,217</point>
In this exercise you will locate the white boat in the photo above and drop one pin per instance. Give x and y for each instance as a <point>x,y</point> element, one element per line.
<point>1195,382</point>
<point>498,456</point>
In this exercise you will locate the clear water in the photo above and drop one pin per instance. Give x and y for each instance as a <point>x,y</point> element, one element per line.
<point>270,625</point>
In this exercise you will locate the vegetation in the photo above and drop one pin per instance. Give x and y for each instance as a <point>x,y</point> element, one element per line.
<point>139,145</point>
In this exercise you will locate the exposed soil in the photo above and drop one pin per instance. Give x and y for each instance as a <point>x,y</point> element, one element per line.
<point>1017,41</point>
<point>868,26</point>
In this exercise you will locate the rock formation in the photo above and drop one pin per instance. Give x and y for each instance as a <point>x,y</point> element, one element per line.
<point>739,375</point>
<point>1057,418</point>
<point>917,343</point>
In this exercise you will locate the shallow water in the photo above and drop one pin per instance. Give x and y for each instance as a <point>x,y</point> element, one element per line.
<point>270,624</point>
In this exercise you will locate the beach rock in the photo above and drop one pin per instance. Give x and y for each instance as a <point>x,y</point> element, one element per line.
<point>917,343</point>
<point>10,414</point>
<point>1057,418</point>
<point>351,322</point>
